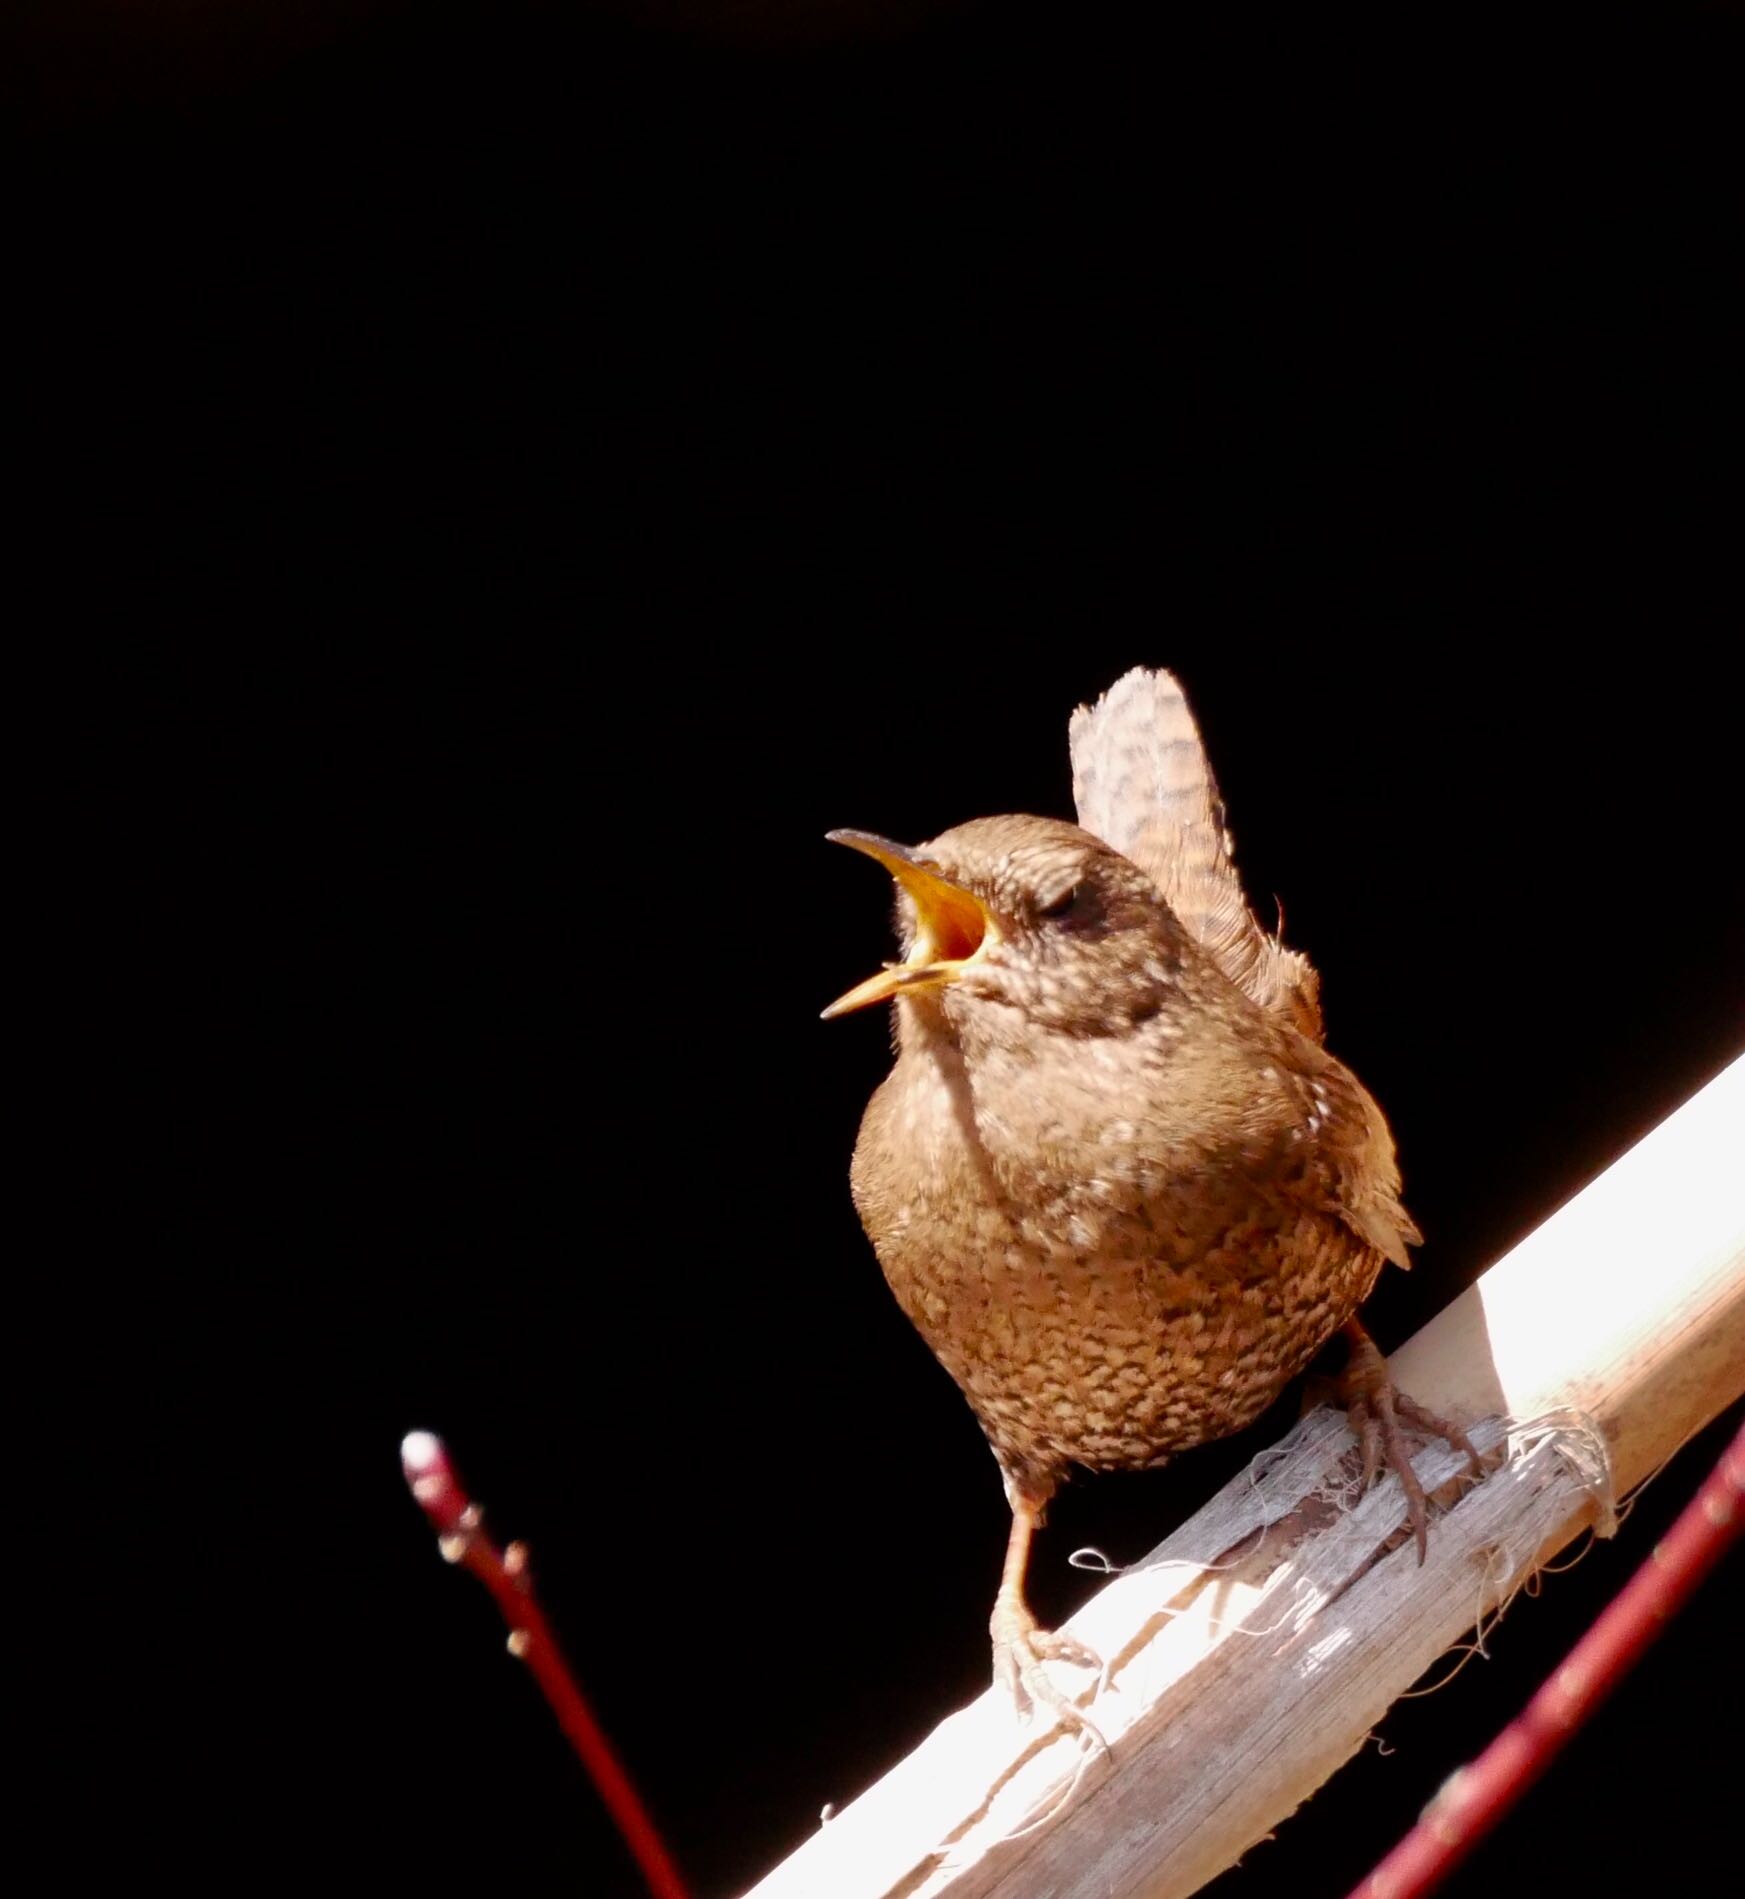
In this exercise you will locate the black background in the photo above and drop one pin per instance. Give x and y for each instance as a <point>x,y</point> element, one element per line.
<point>532,470</point>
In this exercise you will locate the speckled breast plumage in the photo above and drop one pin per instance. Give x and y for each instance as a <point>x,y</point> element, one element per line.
<point>1101,1297</point>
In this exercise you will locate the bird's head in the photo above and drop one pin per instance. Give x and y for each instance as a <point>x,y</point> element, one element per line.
<point>1023,914</point>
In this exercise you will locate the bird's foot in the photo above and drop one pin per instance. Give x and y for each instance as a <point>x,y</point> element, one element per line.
<point>1377,1408</point>
<point>1020,1649</point>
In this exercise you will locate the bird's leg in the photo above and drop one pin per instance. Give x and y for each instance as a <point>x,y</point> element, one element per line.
<point>1020,1647</point>
<point>1376,1408</point>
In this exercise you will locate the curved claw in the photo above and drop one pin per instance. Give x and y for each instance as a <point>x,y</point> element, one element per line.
<point>1375,1407</point>
<point>1020,1649</point>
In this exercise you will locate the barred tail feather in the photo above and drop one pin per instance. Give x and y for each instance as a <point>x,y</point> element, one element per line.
<point>1142,783</point>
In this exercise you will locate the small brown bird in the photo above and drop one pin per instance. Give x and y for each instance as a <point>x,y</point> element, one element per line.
<point>1113,1178</point>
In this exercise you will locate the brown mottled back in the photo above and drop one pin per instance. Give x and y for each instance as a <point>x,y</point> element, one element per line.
<point>1142,783</point>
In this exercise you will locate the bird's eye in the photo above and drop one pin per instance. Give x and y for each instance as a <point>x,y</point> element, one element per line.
<point>1060,905</point>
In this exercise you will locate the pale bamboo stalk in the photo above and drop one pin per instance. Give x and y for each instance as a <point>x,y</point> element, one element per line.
<point>1251,1653</point>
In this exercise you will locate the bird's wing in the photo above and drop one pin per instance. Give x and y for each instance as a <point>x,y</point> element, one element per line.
<point>1142,783</point>
<point>1361,1179</point>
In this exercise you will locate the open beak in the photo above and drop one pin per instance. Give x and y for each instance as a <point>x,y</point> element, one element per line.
<point>953,925</point>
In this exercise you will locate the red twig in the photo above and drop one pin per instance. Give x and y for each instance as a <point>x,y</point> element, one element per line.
<point>458,1523</point>
<point>1474,1798</point>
